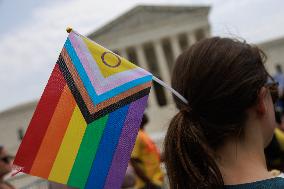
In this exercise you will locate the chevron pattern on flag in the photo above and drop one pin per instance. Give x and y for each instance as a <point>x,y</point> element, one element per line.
<point>85,124</point>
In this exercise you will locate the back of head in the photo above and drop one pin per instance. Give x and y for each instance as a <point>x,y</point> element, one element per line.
<point>220,78</point>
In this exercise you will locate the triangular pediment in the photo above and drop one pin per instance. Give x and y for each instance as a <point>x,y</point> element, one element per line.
<point>144,16</point>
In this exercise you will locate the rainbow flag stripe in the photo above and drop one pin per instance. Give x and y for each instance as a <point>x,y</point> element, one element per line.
<point>86,122</point>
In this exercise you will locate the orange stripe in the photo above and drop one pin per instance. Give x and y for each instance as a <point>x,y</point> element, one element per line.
<point>37,128</point>
<point>54,135</point>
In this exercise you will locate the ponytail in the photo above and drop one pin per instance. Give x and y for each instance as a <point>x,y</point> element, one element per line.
<point>189,161</point>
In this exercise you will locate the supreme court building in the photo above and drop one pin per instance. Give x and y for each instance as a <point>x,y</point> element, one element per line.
<point>151,37</point>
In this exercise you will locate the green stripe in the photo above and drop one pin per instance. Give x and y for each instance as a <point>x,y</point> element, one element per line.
<point>87,153</point>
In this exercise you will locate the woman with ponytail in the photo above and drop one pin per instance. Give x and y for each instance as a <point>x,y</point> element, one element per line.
<point>217,139</point>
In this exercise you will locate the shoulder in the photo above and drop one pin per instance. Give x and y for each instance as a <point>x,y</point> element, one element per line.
<point>277,183</point>
<point>273,183</point>
<point>281,175</point>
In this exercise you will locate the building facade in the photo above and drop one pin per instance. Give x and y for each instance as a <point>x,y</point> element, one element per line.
<point>151,37</point>
<point>274,50</point>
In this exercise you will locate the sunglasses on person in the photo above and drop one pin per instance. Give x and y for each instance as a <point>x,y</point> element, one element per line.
<point>6,159</point>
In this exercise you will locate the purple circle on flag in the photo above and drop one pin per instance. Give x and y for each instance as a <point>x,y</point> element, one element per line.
<point>109,65</point>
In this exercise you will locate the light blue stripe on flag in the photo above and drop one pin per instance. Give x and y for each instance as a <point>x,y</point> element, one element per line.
<point>88,85</point>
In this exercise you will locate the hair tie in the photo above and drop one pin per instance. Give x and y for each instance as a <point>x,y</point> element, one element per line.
<point>186,110</point>
<point>190,113</point>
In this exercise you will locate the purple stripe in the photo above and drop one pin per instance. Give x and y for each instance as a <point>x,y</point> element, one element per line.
<point>126,143</point>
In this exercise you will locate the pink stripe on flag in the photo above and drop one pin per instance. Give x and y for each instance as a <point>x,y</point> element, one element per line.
<point>101,84</point>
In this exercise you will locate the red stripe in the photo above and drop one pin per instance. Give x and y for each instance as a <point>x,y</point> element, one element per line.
<point>54,135</point>
<point>40,121</point>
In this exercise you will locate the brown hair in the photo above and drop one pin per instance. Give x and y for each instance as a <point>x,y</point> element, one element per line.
<point>220,77</point>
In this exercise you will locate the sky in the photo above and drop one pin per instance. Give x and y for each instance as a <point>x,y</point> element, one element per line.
<point>32,33</point>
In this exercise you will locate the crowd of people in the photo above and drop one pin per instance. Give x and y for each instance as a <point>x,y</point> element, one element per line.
<point>229,135</point>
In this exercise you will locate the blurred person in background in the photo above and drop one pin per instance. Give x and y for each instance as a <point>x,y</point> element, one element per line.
<point>5,168</point>
<point>279,78</point>
<point>274,152</point>
<point>146,160</point>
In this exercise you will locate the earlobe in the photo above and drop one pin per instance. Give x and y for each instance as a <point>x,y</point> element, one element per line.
<point>261,106</point>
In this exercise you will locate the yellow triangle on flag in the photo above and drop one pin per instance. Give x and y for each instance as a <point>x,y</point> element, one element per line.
<point>108,62</point>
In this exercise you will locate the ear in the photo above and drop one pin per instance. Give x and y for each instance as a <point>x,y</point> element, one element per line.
<point>261,106</point>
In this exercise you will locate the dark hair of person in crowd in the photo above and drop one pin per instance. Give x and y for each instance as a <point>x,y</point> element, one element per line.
<point>221,79</point>
<point>144,121</point>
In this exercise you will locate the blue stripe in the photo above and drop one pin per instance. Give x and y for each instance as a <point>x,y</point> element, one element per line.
<point>106,149</point>
<point>88,85</point>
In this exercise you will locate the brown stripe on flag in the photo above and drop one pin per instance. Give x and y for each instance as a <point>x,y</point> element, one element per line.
<point>77,80</point>
<point>121,96</point>
<point>79,84</point>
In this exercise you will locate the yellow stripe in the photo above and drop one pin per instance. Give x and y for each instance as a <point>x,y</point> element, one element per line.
<point>67,153</point>
<point>280,137</point>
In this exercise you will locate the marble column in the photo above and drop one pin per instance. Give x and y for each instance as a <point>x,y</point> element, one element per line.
<point>152,101</point>
<point>123,53</point>
<point>163,66</point>
<point>191,38</point>
<point>162,61</point>
<point>207,32</point>
<point>175,46</point>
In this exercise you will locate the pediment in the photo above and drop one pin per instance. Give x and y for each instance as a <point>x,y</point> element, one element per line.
<point>143,17</point>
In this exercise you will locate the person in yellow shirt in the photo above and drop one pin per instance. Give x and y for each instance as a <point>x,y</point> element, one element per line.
<point>145,160</point>
<point>279,134</point>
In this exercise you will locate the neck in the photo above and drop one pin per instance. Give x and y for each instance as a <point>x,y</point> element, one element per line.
<point>242,160</point>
